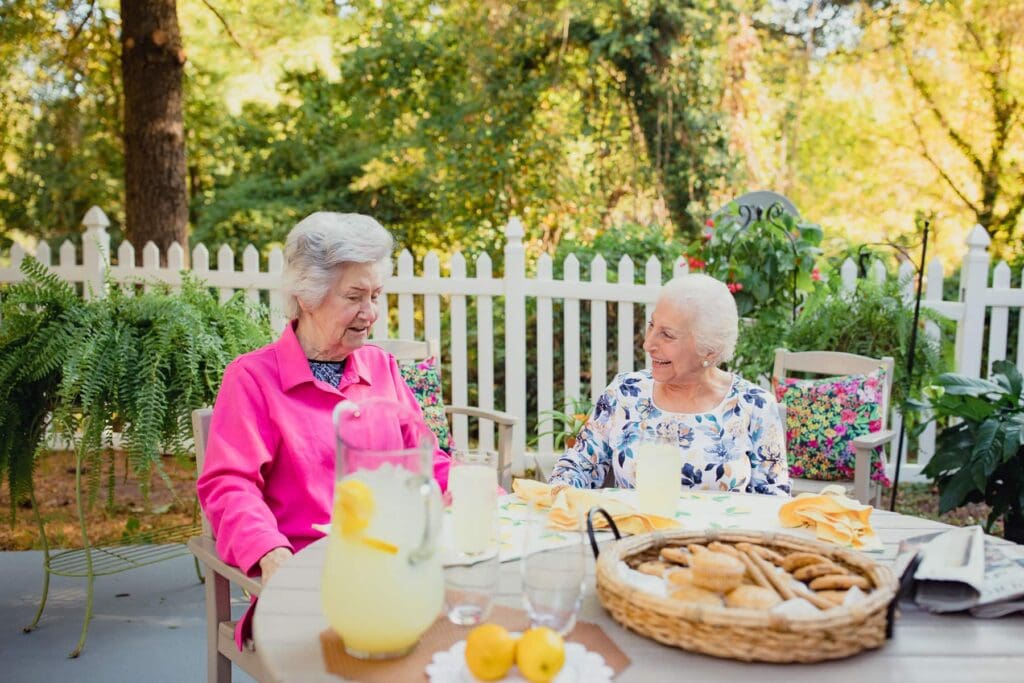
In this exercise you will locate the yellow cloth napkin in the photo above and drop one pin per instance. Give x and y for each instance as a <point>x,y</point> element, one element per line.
<point>568,508</point>
<point>834,517</point>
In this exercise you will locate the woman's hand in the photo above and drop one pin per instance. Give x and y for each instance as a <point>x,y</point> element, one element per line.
<point>270,562</point>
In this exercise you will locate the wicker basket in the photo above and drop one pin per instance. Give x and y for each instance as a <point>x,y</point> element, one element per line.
<point>746,634</point>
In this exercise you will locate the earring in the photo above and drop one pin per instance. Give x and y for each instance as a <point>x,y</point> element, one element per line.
<point>705,363</point>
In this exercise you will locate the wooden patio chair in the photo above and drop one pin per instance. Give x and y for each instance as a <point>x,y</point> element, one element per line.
<point>221,650</point>
<point>418,350</point>
<point>833,364</point>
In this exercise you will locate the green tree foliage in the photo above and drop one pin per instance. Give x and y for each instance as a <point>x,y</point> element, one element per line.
<point>60,110</point>
<point>446,119</point>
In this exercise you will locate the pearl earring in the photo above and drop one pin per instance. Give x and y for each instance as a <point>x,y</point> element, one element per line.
<point>705,363</point>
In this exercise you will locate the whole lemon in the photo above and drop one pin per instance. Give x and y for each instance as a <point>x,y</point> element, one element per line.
<point>490,652</point>
<point>540,654</point>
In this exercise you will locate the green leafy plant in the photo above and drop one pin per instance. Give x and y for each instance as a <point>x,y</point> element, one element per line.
<point>876,320</point>
<point>565,426</point>
<point>769,264</point>
<point>134,363</point>
<point>979,455</point>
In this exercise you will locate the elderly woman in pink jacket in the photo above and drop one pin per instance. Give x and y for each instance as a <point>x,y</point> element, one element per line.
<point>268,476</point>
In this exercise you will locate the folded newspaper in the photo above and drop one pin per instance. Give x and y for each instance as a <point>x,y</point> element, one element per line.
<point>962,569</point>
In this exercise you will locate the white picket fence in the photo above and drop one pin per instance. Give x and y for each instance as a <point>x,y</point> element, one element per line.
<point>414,305</point>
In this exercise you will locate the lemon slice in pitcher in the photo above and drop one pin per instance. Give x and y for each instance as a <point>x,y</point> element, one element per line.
<point>353,506</point>
<point>353,509</point>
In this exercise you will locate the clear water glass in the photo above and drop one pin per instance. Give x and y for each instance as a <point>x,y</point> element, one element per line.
<point>471,577</point>
<point>554,567</point>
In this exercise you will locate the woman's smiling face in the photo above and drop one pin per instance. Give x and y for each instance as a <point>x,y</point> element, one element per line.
<point>670,344</point>
<point>341,323</point>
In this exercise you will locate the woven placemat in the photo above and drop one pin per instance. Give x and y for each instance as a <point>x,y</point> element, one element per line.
<point>441,636</point>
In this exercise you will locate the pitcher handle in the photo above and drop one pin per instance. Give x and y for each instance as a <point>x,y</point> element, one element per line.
<point>428,544</point>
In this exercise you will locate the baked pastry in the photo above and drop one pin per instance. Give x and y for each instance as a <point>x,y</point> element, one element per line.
<point>835,597</point>
<point>767,554</point>
<point>752,597</point>
<point>794,561</point>
<point>840,582</point>
<point>691,593</point>
<point>652,568</point>
<point>679,576</point>
<point>716,571</point>
<point>675,556</point>
<point>720,547</point>
<point>809,572</point>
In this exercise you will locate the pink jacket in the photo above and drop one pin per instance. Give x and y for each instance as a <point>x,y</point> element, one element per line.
<point>268,475</point>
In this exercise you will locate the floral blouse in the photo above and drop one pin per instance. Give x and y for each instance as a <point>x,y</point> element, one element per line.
<point>737,446</point>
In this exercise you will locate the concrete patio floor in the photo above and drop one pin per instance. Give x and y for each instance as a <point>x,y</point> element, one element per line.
<point>148,624</point>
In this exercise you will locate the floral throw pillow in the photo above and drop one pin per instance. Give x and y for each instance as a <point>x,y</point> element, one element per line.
<point>424,378</point>
<point>824,416</point>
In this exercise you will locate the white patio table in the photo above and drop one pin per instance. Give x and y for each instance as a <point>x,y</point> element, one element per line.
<point>925,647</point>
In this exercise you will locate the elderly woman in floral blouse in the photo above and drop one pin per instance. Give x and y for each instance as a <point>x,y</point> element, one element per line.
<point>728,431</point>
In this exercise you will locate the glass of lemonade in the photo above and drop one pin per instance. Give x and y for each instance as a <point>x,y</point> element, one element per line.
<point>658,464</point>
<point>472,577</point>
<point>383,584</point>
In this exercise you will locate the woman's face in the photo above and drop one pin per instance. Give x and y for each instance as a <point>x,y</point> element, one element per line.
<point>670,345</point>
<point>341,323</point>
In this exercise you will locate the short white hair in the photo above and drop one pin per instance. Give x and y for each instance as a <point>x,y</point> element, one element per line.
<point>711,310</point>
<point>318,247</point>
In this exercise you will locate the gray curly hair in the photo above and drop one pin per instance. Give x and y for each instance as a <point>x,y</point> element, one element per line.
<point>712,312</point>
<point>321,243</point>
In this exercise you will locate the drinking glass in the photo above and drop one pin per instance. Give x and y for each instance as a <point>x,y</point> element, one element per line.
<point>471,580</point>
<point>554,567</point>
<point>658,463</point>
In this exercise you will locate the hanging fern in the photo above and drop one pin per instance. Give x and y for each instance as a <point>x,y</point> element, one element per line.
<point>134,363</point>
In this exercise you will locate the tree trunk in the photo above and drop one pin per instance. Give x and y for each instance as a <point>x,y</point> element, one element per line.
<point>152,62</point>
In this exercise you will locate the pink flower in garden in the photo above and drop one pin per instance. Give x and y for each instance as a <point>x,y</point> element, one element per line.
<point>696,263</point>
<point>815,274</point>
<point>709,223</point>
<point>735,287</point>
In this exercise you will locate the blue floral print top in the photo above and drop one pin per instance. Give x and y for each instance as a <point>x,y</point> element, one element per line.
<point>738,446</point>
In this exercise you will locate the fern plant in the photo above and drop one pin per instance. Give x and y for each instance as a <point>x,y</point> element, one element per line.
<point>134,363</point>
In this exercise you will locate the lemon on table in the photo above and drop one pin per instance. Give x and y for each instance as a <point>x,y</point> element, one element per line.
<point>540,654</point>
<point>490,652</point>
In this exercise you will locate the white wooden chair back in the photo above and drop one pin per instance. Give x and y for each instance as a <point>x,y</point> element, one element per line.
<point>201,418</point>
<point>417,350</point>
<point>834,364</point>
<point>410,349</point>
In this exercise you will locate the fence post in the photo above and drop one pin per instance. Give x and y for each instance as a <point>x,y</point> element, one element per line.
<point>95,253</point>
<point>515,335</point>
<point>970,334</point>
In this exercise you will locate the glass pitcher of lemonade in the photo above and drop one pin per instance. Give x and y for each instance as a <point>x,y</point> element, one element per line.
<point>383,584</point>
